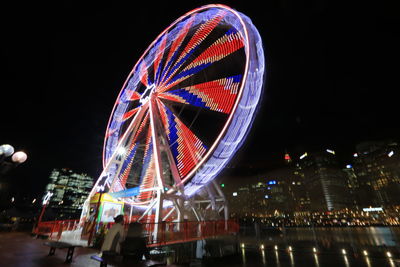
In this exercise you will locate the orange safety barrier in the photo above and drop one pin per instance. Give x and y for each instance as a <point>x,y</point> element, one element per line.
<point>54,229</point>
<point>167,232</point>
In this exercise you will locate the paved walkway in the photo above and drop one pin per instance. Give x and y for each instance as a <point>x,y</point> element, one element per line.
<point>20,249</point>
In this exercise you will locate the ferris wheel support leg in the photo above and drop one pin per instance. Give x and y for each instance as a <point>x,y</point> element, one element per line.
<point>148,210</point>
<point>169,213</point>
<point>157,218</point>
<point>224,204</point>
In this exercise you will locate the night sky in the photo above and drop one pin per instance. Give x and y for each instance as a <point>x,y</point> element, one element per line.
<point>332,77</point>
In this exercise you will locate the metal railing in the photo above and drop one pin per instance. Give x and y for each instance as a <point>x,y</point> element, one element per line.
<point>157,234</point>
<point>54,229</point>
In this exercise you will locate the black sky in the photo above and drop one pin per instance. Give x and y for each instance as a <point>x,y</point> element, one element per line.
<point>332,76</point>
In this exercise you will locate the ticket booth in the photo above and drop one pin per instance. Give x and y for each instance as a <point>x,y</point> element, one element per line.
<point>101,211</point>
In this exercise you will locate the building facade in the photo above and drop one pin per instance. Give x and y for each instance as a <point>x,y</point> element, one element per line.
<point>69,191</point>
<point>377,167</point>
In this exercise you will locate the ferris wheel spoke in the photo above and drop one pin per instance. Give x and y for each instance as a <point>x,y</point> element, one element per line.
<point>176,43</point>
<point>198,37</point>
<point>163,132</point>
<point>229,43</point>
<point>147,174</point>
<point>187,149</point>
<point>129,114</point>
<point>158,57</point>
<point>144,74</point>
<point>127,164</point>
<point>218,95</point>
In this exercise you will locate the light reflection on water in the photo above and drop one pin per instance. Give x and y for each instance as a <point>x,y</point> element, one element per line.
<point>277,258</point>
<point>346,261</point>
<point>316,260</point>
<point>291,258</point>
<point>365,236</point>
<point>264,260</point>
<point>327,237</point>
<point>367,261</point>
<point>271,257</point>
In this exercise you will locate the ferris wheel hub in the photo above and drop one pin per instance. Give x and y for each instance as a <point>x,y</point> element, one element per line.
<point>147,93</point>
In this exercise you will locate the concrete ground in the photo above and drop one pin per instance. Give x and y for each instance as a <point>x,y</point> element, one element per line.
<point>20,249</point>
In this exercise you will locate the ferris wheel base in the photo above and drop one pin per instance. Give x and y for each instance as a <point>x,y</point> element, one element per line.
<point>209,204</point>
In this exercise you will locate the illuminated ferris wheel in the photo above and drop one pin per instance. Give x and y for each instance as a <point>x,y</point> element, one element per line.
<point>185,108</point>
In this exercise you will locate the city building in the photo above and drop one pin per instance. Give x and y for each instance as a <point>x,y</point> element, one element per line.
<point>377,167</point>
<point>324,180</point>
<point>69,191</point>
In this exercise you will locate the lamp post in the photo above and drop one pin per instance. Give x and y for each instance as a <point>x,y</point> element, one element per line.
<point>17,158</point>
<point>5,151</point>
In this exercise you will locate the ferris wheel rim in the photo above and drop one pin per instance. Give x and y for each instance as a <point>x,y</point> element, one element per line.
<point>245,72</point>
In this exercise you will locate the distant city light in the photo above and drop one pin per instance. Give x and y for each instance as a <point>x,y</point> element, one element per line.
<point>390,153</point>
<point>46,198</point>
<point>290,248</point>
<point>314,250</point>
<point>262,246</point>
<point>287,157</point>
<point>33,201</point>
<point>303,156</point>
<point>266,196</point>
<point>343,251</point>
<point>373,209</point>
<point>355,155</point>
<point>276,247</point>
<point>12,199</point>
<point>348,166</point>
<point>222,185</point>
<point>330,151</point>
<point>365,253</point>
<point>389,254</point>
<point>234,194</point>
<point>272,182</point>
<point>242,245</point>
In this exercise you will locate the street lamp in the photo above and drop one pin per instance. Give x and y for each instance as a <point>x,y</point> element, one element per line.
<point>19,157</point>
<point>6,150</point>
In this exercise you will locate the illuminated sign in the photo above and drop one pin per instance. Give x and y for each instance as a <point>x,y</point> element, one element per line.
<point>46,198</point>
<point>330,151</point>
<point>373,209</point>
<point>272,182</point>
<point>234,194</point>
<point>303,156</point>
<point>390,153</point>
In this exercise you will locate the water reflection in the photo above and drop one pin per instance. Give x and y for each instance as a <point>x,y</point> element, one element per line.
<point>264,260</point>
<point>291,258</point>
<point>346,261</point>
<point>316,260</point>
<point>277,258</point>
<point>327,237</point>
<point>367,261</point>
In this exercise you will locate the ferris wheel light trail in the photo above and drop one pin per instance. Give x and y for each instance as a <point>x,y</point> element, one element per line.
<point>185,108</point>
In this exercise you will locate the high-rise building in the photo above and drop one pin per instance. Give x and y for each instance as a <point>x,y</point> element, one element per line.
<point>325,181</point>
<point>377,166</point>
<point>69,191</point>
